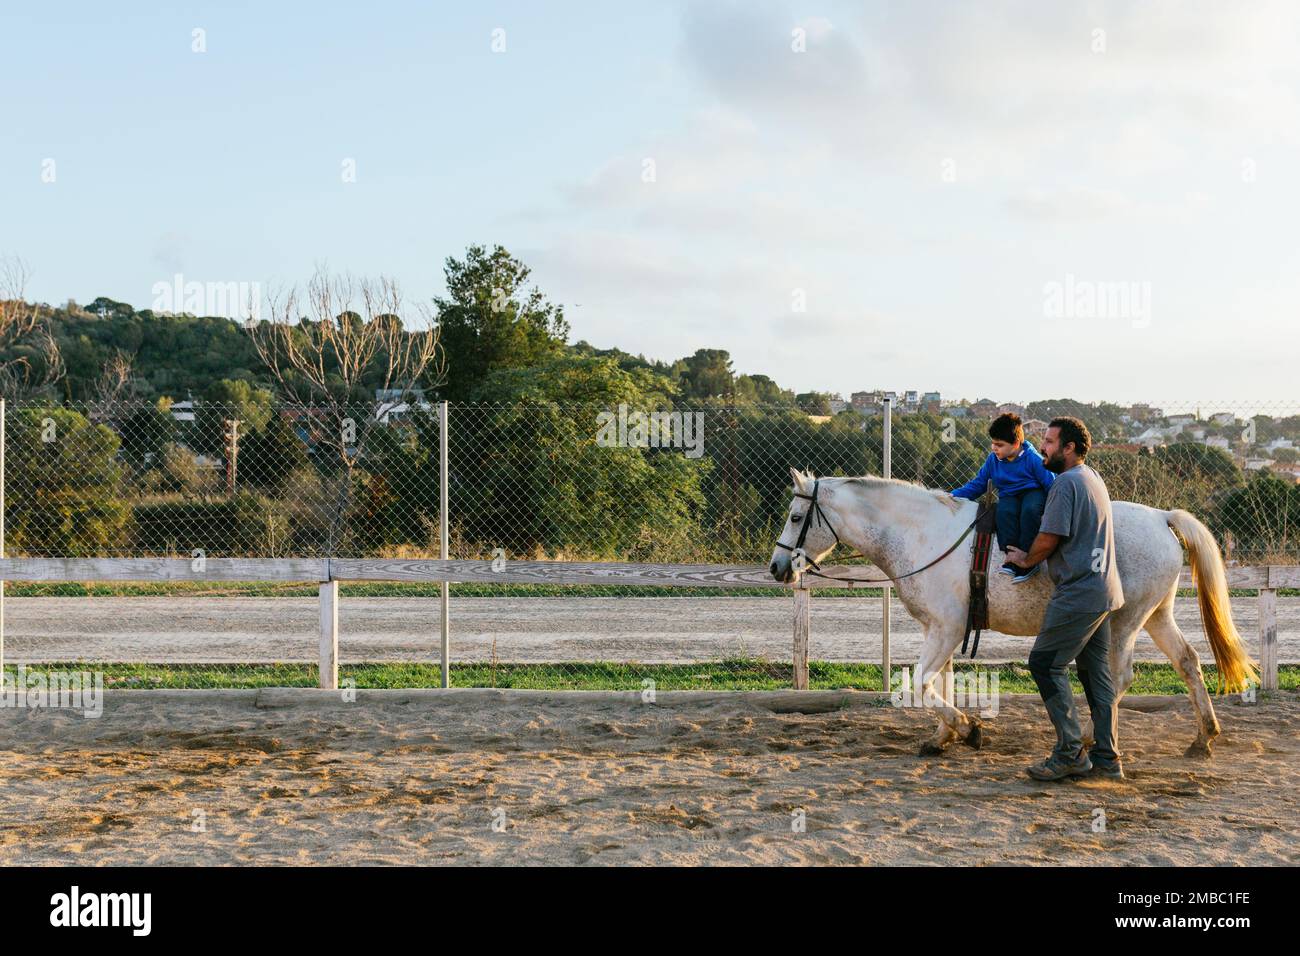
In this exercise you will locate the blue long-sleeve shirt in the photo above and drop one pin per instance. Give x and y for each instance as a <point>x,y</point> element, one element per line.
<point>1020,474</point>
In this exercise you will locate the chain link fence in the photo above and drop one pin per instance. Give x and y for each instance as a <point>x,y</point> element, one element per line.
<point>707,484</point>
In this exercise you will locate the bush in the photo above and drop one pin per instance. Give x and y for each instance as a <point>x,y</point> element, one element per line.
<point>63,484</point>
<point>245,524</point>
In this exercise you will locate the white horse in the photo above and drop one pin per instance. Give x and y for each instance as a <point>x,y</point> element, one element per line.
<point>901,527</point>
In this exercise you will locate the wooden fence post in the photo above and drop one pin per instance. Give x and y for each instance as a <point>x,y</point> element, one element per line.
<point>802,627</point>
<point>1268,637</point>
<point>329,635</point>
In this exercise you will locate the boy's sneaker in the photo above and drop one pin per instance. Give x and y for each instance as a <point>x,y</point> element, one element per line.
<point>1011,569</point>
<point>1026,574</point>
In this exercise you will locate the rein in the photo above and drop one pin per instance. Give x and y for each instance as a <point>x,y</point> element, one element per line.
<point>815,511</point>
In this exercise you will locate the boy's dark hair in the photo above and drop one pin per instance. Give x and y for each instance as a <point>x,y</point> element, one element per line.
<point>1073,430</point>
<point>1007,428</point>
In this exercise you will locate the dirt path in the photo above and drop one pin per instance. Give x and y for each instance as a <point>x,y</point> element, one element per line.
<point>420,777</point>
<point>524,629</point>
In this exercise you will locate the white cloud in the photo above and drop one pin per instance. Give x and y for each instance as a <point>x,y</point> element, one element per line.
<point>822,170</point>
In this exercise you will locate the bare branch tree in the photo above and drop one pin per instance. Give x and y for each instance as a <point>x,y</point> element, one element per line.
<point>326,344</point>
<point>322,345</point>
<point>114,390</point>
<point>29,356</point>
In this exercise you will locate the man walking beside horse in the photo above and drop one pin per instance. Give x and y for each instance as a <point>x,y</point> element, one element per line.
<point>1077,540</point>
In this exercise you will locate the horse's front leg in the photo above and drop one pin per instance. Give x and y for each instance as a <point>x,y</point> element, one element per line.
<point>933,687</point>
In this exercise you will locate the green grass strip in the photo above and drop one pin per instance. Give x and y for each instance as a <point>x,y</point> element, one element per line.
<point>735,674</point>
<point>395,589</point>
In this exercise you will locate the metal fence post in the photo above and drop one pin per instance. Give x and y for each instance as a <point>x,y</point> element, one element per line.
<point>888,469</point>
<point>3,410</point>
<point>445,549</point>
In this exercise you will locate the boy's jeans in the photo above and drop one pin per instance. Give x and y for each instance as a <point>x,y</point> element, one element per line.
<point>1018,518</point>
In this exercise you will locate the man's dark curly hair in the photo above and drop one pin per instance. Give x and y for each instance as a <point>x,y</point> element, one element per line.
<point>1073,430</point>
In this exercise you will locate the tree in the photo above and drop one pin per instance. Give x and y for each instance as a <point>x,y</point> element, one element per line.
<point>1104,420</point>
<point>64,485</point>
<point>335,354</point>
<point>348,342</point>
<point>271,455</point>
<point>490,321</point>
<point>115,389</point>
<point>144,432</point>
<point>544,480</point>
<point>29,357</point>
<point>706,374</point>
<point>177,471</point>
<point>814,403</point>
<point>1263,516</point>
<point>1199,463</point>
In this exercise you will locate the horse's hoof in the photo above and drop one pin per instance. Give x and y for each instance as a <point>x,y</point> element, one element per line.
<point>1199,749</point>
<point>930,749</point>
<point>974,739</point>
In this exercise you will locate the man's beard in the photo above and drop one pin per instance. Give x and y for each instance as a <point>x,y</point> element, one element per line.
<point>1056,463</point>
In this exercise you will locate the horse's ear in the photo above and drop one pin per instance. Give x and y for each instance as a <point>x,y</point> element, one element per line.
<point>798,479</point>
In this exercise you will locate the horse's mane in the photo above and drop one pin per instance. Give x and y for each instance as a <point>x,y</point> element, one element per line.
<point>953,504</point>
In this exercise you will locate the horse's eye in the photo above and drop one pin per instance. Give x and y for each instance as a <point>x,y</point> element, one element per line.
<point>795,519</point>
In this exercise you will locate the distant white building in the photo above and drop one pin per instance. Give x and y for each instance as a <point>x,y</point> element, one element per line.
<point>388,412</point>
<point>183,411</point>
<point>1219,443</point>
<point>390,405</point>
<point>1153,437</point>
<point>1223,418</point>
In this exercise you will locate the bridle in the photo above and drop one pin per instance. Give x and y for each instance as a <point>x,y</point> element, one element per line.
<point>815,511</point>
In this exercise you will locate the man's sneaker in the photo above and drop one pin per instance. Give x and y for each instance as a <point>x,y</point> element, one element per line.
<point>1012,569</point>
<point>1112,771</point>
<point>1026,573</point>
<point>1054,768</point>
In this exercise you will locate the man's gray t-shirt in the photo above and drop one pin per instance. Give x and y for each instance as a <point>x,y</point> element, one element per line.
<point>1083,565</point>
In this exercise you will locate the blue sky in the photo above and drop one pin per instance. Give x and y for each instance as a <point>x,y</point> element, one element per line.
<point>916,175</point>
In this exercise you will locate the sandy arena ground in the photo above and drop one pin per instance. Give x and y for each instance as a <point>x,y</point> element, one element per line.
<point>649,630</point>
<point>298,776</point>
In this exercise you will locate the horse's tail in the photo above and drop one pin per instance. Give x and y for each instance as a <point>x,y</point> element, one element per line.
<point>1236,670</point>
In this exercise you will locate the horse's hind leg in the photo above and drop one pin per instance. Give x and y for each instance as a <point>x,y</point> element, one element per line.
<point>1164,631</point>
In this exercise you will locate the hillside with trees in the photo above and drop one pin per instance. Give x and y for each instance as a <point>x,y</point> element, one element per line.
<point>337,437</point>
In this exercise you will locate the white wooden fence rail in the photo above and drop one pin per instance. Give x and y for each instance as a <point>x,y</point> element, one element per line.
<point>328,572</point>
